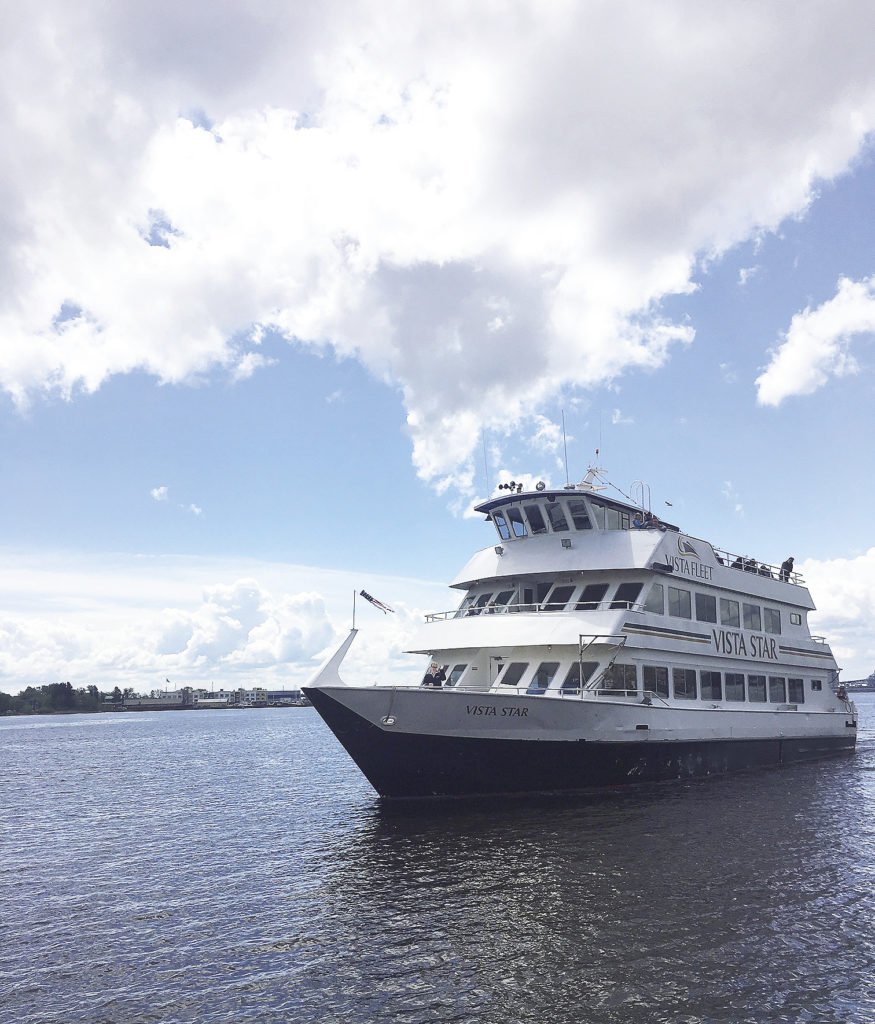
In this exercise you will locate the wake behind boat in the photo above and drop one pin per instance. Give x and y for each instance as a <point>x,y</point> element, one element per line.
<point>596,646</point>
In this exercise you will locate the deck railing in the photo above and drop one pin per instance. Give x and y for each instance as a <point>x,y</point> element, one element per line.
<point>537,609</point>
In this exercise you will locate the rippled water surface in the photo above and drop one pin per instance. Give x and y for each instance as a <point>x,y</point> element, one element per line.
<point>226,866</point>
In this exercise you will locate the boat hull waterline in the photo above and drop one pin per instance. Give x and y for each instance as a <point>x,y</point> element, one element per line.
<point>460,763</point>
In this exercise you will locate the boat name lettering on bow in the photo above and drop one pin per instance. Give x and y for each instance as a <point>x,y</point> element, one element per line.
<point>491,709</point>
<point>729,641</point>
<point>689,567</point>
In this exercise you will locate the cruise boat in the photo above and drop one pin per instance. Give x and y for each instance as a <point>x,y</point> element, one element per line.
<point>596,646</point>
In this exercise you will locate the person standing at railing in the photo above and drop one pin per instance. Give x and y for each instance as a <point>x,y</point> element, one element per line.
<point>786,569</point>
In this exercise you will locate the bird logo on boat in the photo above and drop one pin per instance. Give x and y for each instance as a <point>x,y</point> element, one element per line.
<point>686,548</point>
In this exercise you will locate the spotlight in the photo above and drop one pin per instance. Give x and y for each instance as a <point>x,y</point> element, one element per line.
<point>566,543</point>
<point>499,550</point>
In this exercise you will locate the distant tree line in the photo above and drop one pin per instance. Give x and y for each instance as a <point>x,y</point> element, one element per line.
<point>59,698</point>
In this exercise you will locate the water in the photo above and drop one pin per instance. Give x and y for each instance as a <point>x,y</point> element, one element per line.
<point>232,867</point>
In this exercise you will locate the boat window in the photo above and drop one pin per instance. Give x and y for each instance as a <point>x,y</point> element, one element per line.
<point>464,606</point>
<point>619,679</point>
<point>598,511</point>
<point>572,680</point>
<point>655,599</point>
<point>756,689</point>
<point>513,673</point>
<point>612,518</point>
<point>734,686</point>
<point>501,525</point>
<point>816,685</point>
<point>684,683</point>
<point>559,597</point>
<point>679,603</point>
<point>752,616</point>
<point>706,608</point>
<point>777,690</point>
<point>541,591</point>
<point>796,691</point>
<point>729,612</point>
<point>591,597</point>
<point>515,518</point>
<point>712,685</point>
<point>626,595</point>
<point>795,619</point>
<point>558,522</point>
<point>455,675</point>
<point>579,514</point>
<point>535,518</point>
<point>543,676</point>
<point>772,620</point>
<point>480,603</point>
<point>656,680</point>
<point>501,599</point>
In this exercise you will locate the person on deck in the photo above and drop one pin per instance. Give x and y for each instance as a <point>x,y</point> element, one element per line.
<point>786,569</point>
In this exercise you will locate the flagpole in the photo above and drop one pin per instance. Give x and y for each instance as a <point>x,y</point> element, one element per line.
<point>353,609</point>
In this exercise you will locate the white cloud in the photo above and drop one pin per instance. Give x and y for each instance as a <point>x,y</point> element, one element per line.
<point>817,344</point>
<point>195,510</point>
<point>135,621</point>
<point>484,206</point>
<point>731,495</point>
<point>745,274</point>
<point>159,493</point>
<point>618,419</point>
<point>844,591</point>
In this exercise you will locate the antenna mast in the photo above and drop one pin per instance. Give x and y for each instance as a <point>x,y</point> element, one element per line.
<point>565,447</point>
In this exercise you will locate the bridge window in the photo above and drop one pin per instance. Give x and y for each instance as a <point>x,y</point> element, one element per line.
<point>620,677</point>
<point>756,689</point>
<point>515,517</point>
<point>729,612</point>
<point>456,674</point>
<point>501,600</point>
<point>684,682</point>
<point>543,676</point>
<point>501,525</point>
<point>816,685</point>
<point>655,600</point>
<point>772,620</point>
<point>535,518</point>
<point>579,514</point>
<point>752,616</point>
<point>734,686</point>
<point>591,597</point>
<point>797,691</point>
<point>777,690</point>
<point>558,522</point>
<point>706,608</point>
<point>656,679</point>
<point>795,619</point>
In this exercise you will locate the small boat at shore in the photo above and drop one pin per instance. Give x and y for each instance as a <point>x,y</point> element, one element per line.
<point>596,646</point>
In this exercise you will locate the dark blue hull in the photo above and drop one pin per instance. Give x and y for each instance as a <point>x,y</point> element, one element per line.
<point>416,766</point>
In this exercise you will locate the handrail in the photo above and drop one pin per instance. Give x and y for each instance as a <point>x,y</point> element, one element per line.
<point>747,564</point>
<point>548,608</point>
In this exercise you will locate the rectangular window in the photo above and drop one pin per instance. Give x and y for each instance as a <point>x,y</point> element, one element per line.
<point>712,686</point>
<point>656,680</point>
<point>501,599</point>
<point>620,678</point>
<point>579,514</point>
<point>456,674</point>
<point>558,522</point>
<point>535,518</point>
<point>756,689</point>
<point>777,690</point>
<point>772,620</point>
<point>752,616</point>
<point>734,686</point>
<point>513,673</point>
<point>515,518</point>
<point>479,603</point>
<point>816,685</point>
<point>655,599</point>
<point>572,680</point>
<point>729,614</point>
<point>625,521</point>
<point>612,518</point>
<point>796,691</point>
<point>684,683</point>
<point>795,619</point>
<point>706,608</point>
<point>591,597</point>
<point>626,595</point>
<point>543,676</point>
<point>598,512</point>
<point>558,598</point>
<point>679,603</point>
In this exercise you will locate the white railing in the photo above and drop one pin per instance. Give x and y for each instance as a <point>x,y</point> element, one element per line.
<point>547,608</point>
<point>745,564</point>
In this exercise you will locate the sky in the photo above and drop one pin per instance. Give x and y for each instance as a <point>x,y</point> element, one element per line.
<point>285,289</point>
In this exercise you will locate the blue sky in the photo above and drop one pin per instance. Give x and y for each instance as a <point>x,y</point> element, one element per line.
<point>262,331</point>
